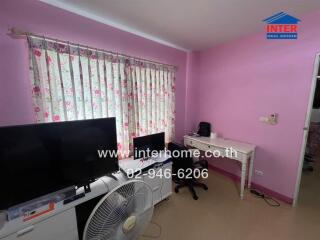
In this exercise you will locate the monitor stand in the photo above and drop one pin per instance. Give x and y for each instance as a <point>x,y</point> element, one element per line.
<point>75,197</point>
<point>112,176</point>
<point>87,188</point>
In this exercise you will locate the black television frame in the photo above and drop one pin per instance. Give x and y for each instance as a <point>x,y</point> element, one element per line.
<point>12,181</point>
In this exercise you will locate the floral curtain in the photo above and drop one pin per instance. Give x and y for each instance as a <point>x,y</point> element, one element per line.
<point>72,83</point>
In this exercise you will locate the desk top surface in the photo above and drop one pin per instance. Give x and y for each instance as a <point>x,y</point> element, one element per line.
<point>220,142</point>
<point>130,163</point>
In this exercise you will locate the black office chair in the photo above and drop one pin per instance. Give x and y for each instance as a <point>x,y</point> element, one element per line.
<point>185,161</point>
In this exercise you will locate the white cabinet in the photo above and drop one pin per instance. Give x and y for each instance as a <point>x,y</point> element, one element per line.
<point>166,189</point>
<point>155,184</point>
<point>160,183</point>
<point>62,226</point>
<point>155,172</point>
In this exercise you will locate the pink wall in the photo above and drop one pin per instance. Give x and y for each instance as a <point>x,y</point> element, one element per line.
<point>191,90</point>
<point>240,81</point>
<point>40,18</point>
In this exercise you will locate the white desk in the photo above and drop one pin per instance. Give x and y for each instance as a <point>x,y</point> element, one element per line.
<point>245,152</point>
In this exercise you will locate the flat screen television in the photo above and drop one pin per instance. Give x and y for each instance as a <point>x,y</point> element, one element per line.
<point>39,159</point>
<point>146,145</point>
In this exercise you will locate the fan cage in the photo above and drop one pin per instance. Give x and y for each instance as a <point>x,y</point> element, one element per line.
<point>133,198</point>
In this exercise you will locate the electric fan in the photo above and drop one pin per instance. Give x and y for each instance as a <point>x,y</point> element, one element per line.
<point>123,213</point>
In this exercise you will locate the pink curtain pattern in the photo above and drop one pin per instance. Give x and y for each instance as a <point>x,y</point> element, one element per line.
<point>72,83</point>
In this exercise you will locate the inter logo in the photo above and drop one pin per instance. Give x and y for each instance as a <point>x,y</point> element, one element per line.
<point>282,26</point>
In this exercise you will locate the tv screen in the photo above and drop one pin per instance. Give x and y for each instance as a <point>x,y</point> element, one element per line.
<point>147,144</point>
<point>39,159</point>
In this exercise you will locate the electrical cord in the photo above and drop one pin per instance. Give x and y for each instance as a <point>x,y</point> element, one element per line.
<point>269,200</point>
<point>154,236</point>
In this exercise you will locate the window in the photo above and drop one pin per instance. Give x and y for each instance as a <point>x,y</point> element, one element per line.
<point>73,83</point>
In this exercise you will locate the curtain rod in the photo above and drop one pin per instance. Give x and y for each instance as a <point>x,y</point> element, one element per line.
<point>17,33</point>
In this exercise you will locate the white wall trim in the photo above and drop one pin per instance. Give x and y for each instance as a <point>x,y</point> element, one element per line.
<point>306,125</point>
<point>111,23</point>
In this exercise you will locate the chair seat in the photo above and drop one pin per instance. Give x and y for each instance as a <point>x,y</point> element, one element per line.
<point>181,161</point>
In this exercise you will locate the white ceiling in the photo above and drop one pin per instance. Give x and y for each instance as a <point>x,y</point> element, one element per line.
<point>186,24</point>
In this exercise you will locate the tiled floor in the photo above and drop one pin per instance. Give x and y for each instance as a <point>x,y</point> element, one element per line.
<point>220,214</point>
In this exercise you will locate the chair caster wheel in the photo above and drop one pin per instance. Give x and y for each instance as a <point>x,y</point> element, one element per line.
<point>176,190</point>
<point>195,197</point>
<point>205,188</point>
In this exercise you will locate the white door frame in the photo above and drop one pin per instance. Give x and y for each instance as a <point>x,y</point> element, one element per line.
<point>306,128</point>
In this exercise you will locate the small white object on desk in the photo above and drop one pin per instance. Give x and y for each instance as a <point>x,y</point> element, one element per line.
<point>245,152</point>
<point>213,135</point>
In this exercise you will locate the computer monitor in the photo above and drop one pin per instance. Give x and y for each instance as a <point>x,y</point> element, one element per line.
<point>145,146</point>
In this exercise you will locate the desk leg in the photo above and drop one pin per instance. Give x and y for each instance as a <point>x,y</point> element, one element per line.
<point>243,177</point>
<point>251,169</point>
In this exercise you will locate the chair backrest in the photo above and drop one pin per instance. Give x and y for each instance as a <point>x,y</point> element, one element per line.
<point>181,158</point>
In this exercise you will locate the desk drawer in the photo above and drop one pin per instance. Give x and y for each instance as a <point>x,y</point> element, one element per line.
<point>206,147</point>
<point>188,142</point>
<point>240,156</point>
<point>196,144</point>
<point>199,145</point>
